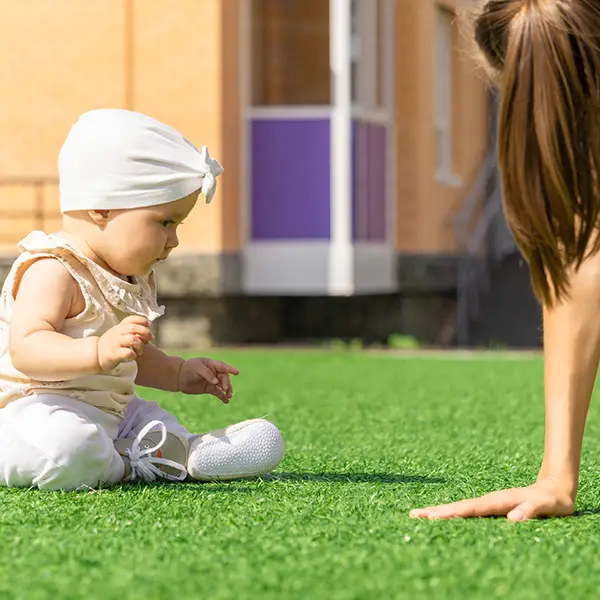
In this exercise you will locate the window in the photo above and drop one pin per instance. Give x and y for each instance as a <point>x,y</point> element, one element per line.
<point>368,53</point>
<point>354,49</point>
<point>443,92</point>
<point>290,52</point>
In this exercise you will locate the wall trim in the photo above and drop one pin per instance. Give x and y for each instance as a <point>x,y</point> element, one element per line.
<point>187,275</point>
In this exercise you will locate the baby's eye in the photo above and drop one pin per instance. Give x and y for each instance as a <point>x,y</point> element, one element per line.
<point>167,223</point>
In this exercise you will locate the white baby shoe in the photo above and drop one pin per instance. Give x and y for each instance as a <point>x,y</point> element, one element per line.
<point>154,455</point>
<point>247,449</point>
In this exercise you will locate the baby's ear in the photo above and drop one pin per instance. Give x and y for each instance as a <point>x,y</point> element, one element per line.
<point>100,217</point>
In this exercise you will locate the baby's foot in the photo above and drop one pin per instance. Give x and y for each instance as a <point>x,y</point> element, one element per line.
<point>247,449</point>
<point>154,455</point>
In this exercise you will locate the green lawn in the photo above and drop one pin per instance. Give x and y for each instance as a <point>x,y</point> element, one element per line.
<point>368,438</point>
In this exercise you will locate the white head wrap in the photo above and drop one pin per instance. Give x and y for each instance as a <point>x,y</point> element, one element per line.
<point>115,159</point>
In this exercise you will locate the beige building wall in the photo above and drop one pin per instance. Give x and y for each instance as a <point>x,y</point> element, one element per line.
<point>56,60</point>
<point>178,60</point>
<point>167,58</point>
<point>426,206</point>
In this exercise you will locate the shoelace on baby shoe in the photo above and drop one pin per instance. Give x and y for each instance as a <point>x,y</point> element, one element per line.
<point>144,465</point>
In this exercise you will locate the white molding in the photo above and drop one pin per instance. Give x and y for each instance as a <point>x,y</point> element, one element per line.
<point>389,91</point>
<point>294,268</point>
<point>443,89</point>
<point>449,179</point>
<point>367,115</point>
<point>245,71</point>
<point>302,268</point>
<point>340,266</point>
<point>375,268</point>
<point>288,112</point>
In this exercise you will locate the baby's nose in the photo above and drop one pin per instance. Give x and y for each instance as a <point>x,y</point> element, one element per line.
<point>173,242</point>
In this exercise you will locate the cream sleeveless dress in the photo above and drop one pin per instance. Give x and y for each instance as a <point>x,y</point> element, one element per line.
<point>108,300</point>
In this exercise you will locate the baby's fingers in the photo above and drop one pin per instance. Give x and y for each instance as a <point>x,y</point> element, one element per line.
<point>222,367</point>
<point>142,332</point>
<point>205,372</point>
<point>132,342</point>
<point>126,354</point>
<point>136,320</point>
<point>225,384</point>
<point>219,393</point>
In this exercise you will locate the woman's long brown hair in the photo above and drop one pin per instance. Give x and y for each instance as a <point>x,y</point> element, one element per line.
<point>544,55</point>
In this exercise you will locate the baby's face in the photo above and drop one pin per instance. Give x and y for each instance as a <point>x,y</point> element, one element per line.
<point>132,242</point>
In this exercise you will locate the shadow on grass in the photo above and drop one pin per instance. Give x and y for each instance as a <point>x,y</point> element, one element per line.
<point>237,486</point>
<point>586,512</point>
<point>206,487</point>
<point>353,478</point>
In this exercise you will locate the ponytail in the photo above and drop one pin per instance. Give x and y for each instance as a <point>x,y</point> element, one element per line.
<point>545,60</point>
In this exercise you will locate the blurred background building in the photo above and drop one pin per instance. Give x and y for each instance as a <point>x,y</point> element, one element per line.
<point>360,197</point>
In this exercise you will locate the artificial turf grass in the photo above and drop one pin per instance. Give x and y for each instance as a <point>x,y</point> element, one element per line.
<point>367,439</point>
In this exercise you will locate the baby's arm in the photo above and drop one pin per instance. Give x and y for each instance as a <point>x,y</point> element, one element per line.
<point>158,370</point>
<point>47,295</point>
<point>571,358</point>
<point>193,376</point>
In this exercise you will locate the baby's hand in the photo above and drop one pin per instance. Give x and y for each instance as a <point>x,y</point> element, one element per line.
<point>123,342</point>
<point>206,376</point>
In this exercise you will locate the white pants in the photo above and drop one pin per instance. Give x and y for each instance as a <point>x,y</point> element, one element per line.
<point>55,442</point>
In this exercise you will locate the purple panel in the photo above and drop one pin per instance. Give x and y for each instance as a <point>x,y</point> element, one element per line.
<point>360,174</point>
<point>377,181</point>
<point>368,182</point>
<point>290,176</point>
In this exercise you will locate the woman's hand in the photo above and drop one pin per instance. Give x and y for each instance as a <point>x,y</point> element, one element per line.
<point>547,497</point>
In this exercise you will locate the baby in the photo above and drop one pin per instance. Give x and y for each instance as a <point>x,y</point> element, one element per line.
<point>75,324</point>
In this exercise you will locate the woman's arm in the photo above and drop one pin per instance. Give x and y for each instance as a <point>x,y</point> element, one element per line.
<point>571,358</point>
